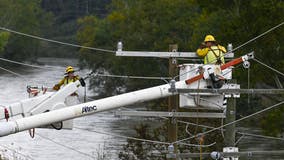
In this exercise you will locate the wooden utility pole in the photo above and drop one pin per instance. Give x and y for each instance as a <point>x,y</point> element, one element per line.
<point>230,133</point>
<point>173,100</point>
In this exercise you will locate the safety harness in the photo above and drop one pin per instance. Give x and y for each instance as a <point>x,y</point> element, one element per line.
<point>218,57</point>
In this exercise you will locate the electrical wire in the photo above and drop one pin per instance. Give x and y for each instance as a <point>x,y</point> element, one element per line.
<point>257,136</point>
<point>236,121</point>
<point>133,77</point>
<point>14,73</point>
<point>104,50</point>
<point>205,100</point>
<point>191,70</point>
<point>24,64</point>
<point>187,123</point>
<point>99,75</point>
<point>261,136</point>
<point>143,140</point>
<point>65,146</point>
<point>264,33</point>
<point>180,121</point>
<point>180,143</point>
<point>126,137</point>
<point>160,78</point>
<point>268,67</point>
<point>199,145</point>
<point>210,127</point>
<point>54,41</point>
<point>239,139</point>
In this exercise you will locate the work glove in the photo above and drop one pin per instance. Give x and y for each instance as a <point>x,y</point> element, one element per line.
<point>56,87</point>
<point>202,45</point>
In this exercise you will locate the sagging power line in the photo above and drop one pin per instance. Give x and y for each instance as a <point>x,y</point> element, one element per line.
<point>54,41</point>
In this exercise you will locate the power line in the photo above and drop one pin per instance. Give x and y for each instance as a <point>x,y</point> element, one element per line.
<point>242,133</point>
<point>210,127</point>
<point>268,67</point>
<point>126,137</point>
<point>198,145</point>
<point>251,115</point>
<point>260,136</point>
<point>54,41</point>
<point>132,77</point>
<point>271,29</point>
<point>144,140</point>
<point>24,64</point>
<point>7,70</point>
<point>266,32</point>
<point>88,155</point>
<point>105,50</point>
<point>186,144</point>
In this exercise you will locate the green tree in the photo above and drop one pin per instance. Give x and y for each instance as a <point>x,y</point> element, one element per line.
<point>27,17</point>
<point>141,26</point>
<point>4,38</point>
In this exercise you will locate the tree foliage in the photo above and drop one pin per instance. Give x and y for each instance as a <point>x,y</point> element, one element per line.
<point>4,37</point>
<point>22,16</point>
<point>141,26</point>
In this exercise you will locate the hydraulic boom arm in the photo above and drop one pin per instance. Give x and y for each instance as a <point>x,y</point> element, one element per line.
<point>104,104</point>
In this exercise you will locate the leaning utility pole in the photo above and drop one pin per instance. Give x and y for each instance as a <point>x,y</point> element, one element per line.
<point>173,100</point>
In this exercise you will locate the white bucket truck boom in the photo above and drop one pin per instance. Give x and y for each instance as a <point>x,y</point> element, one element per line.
<point>38,117</point>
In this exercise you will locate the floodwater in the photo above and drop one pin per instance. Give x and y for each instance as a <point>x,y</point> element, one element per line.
<point>90,138</point>
<point>50,144</point>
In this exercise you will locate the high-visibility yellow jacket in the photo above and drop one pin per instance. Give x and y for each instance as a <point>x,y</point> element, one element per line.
<point>212,54</point>
<point>65,81</point>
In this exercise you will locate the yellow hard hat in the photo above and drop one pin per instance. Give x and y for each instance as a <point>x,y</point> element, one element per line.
<point>209,38</point>
<point>69,69</point>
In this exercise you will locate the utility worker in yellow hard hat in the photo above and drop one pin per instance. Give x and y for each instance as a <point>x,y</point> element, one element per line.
<point>73,99</point>
<point>70,77</point>
<point>211,51</point>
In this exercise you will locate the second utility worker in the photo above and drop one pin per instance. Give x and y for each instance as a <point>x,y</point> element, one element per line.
<point>212,52</point>
<point>69,78</point>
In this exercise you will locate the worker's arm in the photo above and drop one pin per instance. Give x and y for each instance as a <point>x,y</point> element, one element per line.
<point>202,52</point>
<point>58,85</point>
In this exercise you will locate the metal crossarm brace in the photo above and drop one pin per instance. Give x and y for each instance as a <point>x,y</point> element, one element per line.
<point>163,54</point>
<point>247,154</point>
<point>171,114</point>
<point>230,91</point>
